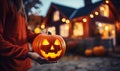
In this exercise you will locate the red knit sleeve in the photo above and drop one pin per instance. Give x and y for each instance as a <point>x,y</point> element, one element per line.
<point>7,49</point>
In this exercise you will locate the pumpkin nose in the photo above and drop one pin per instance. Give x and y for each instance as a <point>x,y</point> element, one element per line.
<point>52,48</point>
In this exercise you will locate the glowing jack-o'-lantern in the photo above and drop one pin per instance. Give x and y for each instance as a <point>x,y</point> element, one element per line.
<point>51,47</point>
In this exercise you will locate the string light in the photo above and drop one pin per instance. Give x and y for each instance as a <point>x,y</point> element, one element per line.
<point>42,26</point>
<point>84,20</point>
<point>107,1</point>
<point>63,19</point>
<point>37,30</point>
<point>67,21</point>
<point>96,13</point>
<point>91,16</point>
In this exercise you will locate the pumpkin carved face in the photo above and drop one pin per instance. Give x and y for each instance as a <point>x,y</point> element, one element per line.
<point>51,47</point>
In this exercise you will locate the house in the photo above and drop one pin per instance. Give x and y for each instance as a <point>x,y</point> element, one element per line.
<point>34,21</point>
<point>98,19</point>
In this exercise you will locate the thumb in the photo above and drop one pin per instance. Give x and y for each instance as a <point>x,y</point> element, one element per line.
<point>33,55</point>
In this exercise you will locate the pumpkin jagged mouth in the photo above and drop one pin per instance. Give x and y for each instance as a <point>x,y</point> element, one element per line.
<point>51,54</point>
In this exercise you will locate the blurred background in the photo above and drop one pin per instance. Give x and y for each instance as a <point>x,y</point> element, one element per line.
<point>90,28</point>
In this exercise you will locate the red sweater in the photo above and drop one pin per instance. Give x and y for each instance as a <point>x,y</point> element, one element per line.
<point>14,38</point>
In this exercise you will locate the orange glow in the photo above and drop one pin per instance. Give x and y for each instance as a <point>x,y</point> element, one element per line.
<point>64,30</point>
<point>67,21</point>
<point>37,30</point>
<point>63,19</point>
<point>67,27</point>
<point>107,1</point>
<point>84,20</point>
<point>102,8</point>
<point>51,54</point>
<point>78,29</point>
<point>106,28</point>
<point>45,42</point>
<point>96,13</point>
<point>107,31</point>
<point>42,26</point>
<point>99,24</point>
<point>91,16</point>
<point>113,31</point>
<point>57,42</point>
<point>118,25</point>
<point>56,16</point>
<point>52,48</point>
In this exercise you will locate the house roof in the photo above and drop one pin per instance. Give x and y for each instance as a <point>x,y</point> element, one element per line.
<point>86,10</point>
<point>116,4</point>
<point>67,11</point>
<point>73,13</point>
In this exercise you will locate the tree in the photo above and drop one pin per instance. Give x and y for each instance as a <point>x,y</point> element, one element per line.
<point>29,4</point>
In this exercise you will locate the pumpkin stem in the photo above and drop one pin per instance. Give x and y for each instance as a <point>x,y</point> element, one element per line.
<point>49,33</point>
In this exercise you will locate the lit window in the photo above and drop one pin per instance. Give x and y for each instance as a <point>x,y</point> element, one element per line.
<point>78,29</point>
<point>104,10</point>
<point>64,30</point>
<point>52,30</point>
<point>67,21</point>
<point>56,16</point>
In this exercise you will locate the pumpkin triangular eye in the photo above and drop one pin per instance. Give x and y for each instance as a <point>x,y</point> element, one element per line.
<point>57,42</point>
<point>45,42</point>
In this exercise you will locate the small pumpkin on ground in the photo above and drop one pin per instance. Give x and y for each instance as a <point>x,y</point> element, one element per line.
<point>88,52</point>
<point>99,50</point>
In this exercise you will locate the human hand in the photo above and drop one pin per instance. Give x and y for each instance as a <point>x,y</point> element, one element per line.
<point>36,57</point>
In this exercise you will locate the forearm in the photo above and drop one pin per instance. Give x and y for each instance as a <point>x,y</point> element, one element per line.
<point>9,50</point>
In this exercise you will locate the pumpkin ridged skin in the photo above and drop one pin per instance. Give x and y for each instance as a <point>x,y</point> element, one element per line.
<point>88,52</point>
<point>37,46</point>
<point>99,50</point>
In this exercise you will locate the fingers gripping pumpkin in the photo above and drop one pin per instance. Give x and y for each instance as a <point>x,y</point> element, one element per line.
<point>51,47</point>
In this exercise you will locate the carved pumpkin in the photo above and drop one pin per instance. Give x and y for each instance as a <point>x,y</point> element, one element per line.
<point>88,52</point>
<point>51,47</point>
<point>99,50</point>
